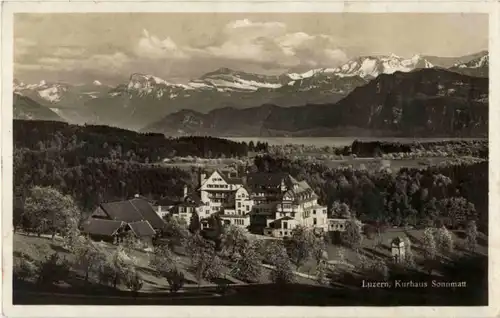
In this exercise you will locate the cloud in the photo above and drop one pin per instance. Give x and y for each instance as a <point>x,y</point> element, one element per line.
<point>150,46</point>
<point>69,51</point>
<point>251,42</point>
<point>242,44</point>
<point>22,47</point>
<point>111,63</point>
<point>273,42</point>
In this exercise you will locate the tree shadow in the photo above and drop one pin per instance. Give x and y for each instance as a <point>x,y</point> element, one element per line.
<point>373,253</point>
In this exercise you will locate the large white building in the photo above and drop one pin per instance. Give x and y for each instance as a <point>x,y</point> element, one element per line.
<point>268,203</point>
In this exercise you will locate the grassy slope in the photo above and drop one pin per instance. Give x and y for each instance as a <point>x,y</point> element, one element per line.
<point>370,247</point>
<point>345,292</point>
<point>39,247</point>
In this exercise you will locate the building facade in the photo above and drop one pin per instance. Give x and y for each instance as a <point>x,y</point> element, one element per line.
<point>272,204</point>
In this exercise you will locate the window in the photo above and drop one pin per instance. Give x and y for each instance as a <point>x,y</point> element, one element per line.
<point>285,225</point>
<point>314,221</point>
<point>314,212</point>
<point>239,204</point>
<point>248,208</point>
<point>181,209</point>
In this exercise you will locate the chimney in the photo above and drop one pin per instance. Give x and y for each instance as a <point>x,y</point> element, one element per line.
<point>185,191</point>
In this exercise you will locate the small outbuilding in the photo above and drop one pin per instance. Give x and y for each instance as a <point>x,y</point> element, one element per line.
<point>398,249</point>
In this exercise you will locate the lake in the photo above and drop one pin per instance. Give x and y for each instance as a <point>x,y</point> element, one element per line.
<point>335,141</point>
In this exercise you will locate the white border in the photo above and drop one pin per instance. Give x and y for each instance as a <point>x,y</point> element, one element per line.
<point>9,8</point>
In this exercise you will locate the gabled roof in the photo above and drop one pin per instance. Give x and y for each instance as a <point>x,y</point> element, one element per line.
<point>101,227</point>
<point>228,179</point>
<point>133,211</point>
<point>146,210</point>
<point>122,211</point>
<point>142,228</point>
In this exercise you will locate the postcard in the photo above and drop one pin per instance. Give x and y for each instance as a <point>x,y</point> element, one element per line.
<point>249,159</point>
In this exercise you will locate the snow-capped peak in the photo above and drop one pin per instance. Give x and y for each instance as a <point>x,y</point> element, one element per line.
<point>225,79</point>
<point>97,83</point>
<point>370,66</point>
<point>42,83</point>
<point>482,61</point>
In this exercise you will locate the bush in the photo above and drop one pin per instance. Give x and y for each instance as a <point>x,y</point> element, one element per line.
<point>133,280</point>
<point>222,287</point>
<point>175,279</point>
<point>53,270</point>
<point>24,269</point>
<point>106,274</point>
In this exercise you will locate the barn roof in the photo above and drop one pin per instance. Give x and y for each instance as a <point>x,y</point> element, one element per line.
<point>101,226</point>
<point>134,210</point>
<point>122,211</point>
<point>142,228</point>
<point>146,210</point>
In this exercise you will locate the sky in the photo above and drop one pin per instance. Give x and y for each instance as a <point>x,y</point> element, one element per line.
<point>109,47</point>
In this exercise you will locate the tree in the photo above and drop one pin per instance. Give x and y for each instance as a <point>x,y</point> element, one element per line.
<point>24,268</point>
<point>194,224</point>
<point>322,271</point>
<point>234,240</point>
<point>302,244</point>
<point>88,256</point>
<point>471,235</point>
<point>175,231</point>
<point>48,210</point>
<point>282,272</point>
<point>129,241</point>
<point>133,280</point>
<point>273,250</point>
<point>114,269</point>
<point>206,264</point>
<point>319,252</point>
<point>215,223</point>
<point>352,236</point>
<point>248,264</point>
<point>444,240</point>
<point>53,270</point>
<point>429,244</point>
<point>175,279</point>
<point>409,259</point>
<point>162,260</point>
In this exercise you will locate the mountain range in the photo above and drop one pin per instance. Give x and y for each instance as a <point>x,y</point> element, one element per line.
<point>144,99</point>
<point>426,102</point>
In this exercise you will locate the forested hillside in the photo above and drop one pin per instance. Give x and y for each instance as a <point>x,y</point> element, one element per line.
<point>415,197</point>
<point>96,163</point>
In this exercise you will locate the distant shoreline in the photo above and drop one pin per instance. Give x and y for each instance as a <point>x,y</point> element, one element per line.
<point>342,141</point>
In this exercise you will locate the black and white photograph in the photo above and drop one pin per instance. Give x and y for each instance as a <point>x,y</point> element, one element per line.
<point>250,159</point>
